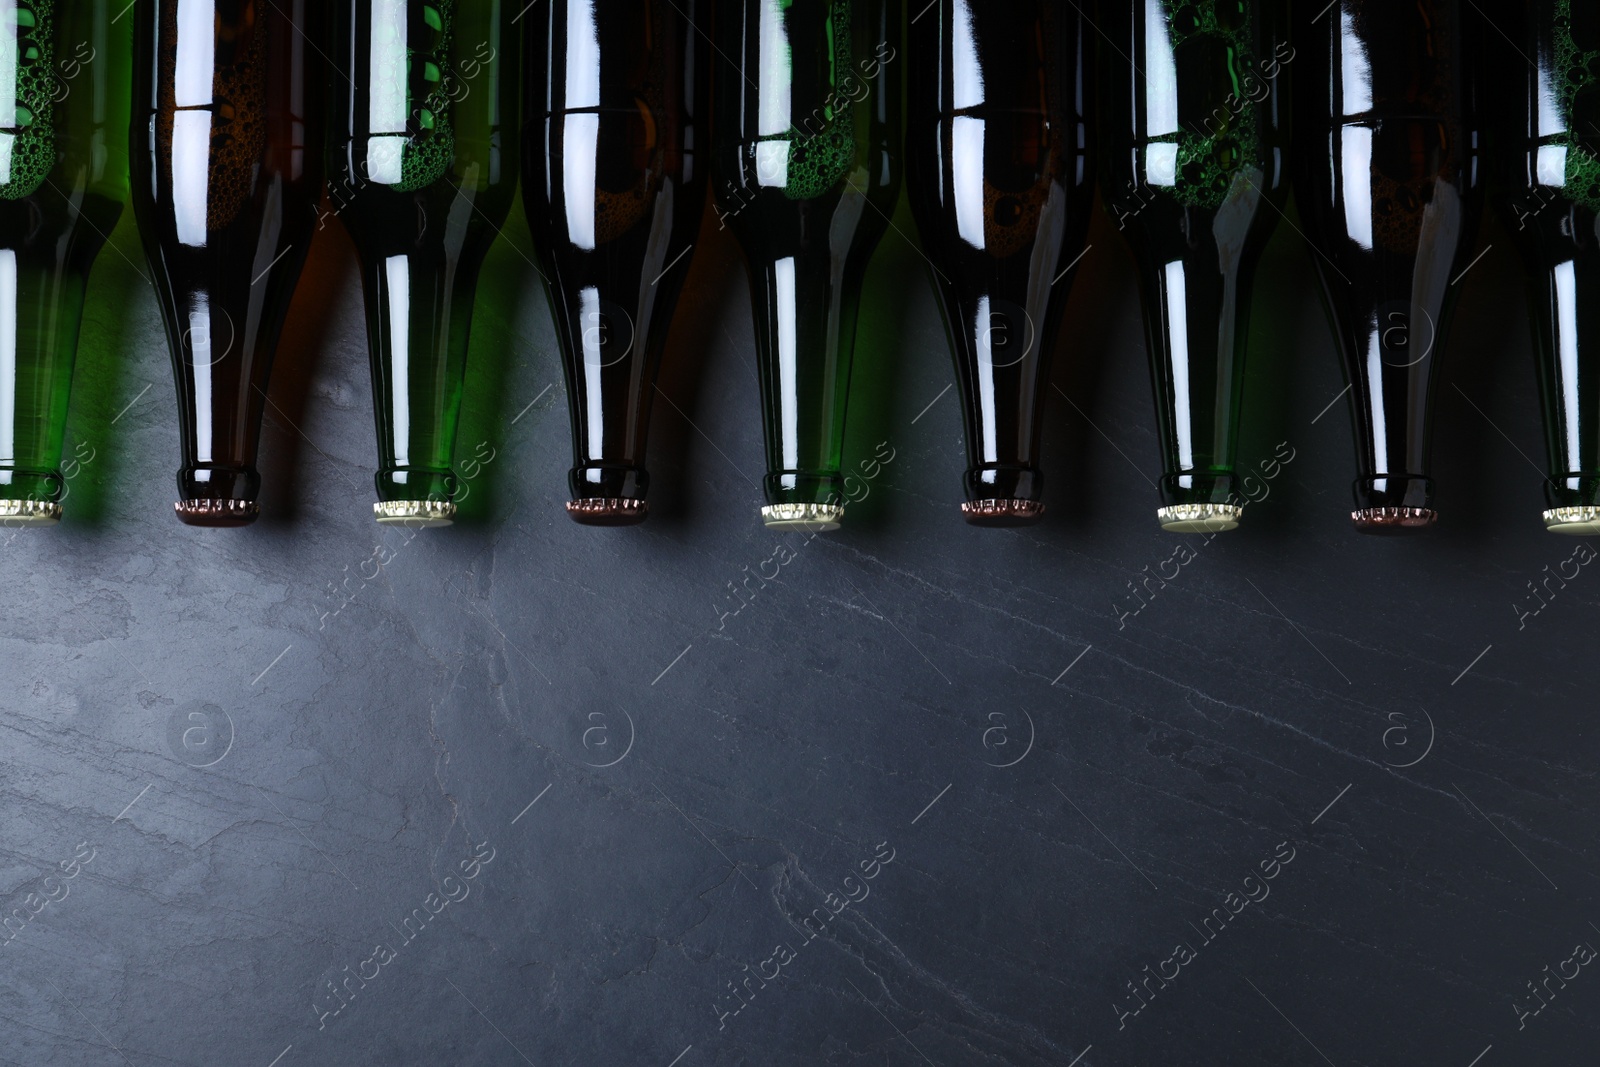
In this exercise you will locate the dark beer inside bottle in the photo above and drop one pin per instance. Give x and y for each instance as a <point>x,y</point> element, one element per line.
<point>1001,184</point>
<point>1391,213</point>
<point>614,195</point>
<point>994,249</point>
<point>226,180</point>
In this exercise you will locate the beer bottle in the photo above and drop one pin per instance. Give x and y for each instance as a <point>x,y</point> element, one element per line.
<point>1550,199</point>
<point>1000,173</point>
<point>617,96</point>
<point>227,173</point>
<point>807,165</point>
<point>1193,148</point>
<point>63,183</point>
<point>422,173</point>
<point>1388,179</point>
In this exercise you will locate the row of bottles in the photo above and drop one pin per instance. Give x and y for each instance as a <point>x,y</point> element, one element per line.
<point>805,117</point>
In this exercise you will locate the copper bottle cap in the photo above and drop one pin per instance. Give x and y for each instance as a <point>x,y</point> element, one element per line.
<point>608,511</point>
<point>1393,520</point>
<point>1002,512</point>
<point>217,512</point>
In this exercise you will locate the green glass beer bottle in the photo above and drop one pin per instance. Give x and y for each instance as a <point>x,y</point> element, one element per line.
<point>1194,146</point>
<point>614,183</point>
<point>1550,201</point>
<point>226,157</point>
<point>1388,177</point>
<point>422,171</point>
<point>64,83</point>
<point>807,172</point>
<point>1000,172</point>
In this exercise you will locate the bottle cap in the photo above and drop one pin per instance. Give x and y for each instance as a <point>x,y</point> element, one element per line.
<point>998,512</point>
<point>608,511</point>
<point>29,513</point>
<point>1393,520</point>
<point>810,518</point>
<point>1579,521</point>
<point>217,512</point>
<point>1199,518</point>
<point>416,513</point>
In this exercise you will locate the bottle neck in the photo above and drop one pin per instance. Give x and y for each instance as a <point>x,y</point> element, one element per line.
<point>41,304</point>
<point>419,313</point>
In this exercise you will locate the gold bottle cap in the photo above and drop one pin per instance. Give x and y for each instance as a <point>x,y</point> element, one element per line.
<point>808,518</point>
<point>1393,520</point>
<point>608,511</point>
<point>1002,512</point>
<point>1200,518</point>
<point>1579,521</point>
<point>217,512</point>
<point>29,513</point>
<point>419,514</point>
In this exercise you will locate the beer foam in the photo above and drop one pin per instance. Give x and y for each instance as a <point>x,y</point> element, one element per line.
<point>1575,84</point>
<point>1207,162</point>
<point>33,141</point>
<point>430,151</point>
<point>820,159</point>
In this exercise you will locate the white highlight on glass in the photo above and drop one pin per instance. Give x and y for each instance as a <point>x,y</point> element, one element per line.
<point>583,55</point>
<point>1355,75</point>
<point>592,327</point>
<point>398,275</point>
<point>1161,165</point>
<point>984,324</point>
<point>196,59</point>
<point>1161,74</point>
<point>1550,163</point>
<point>9,61</point>
<point>966,163</point>
<point>1178,316</point>
<point>191,167</point>
<point>199,336</point>
<point>1380,424</point>
<point>1566,282</point>
<point>772,163</point>
<point>787,313</point>
<point>775,69</point>
<point>8,357</point>
<point>1550,120</point>
<point>387,95</point>
<point>1355,189</point>
<point>966,73</point>
<point>581,143</point>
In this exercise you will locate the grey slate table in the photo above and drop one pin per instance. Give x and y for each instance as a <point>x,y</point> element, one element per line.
<point>526,792</point>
